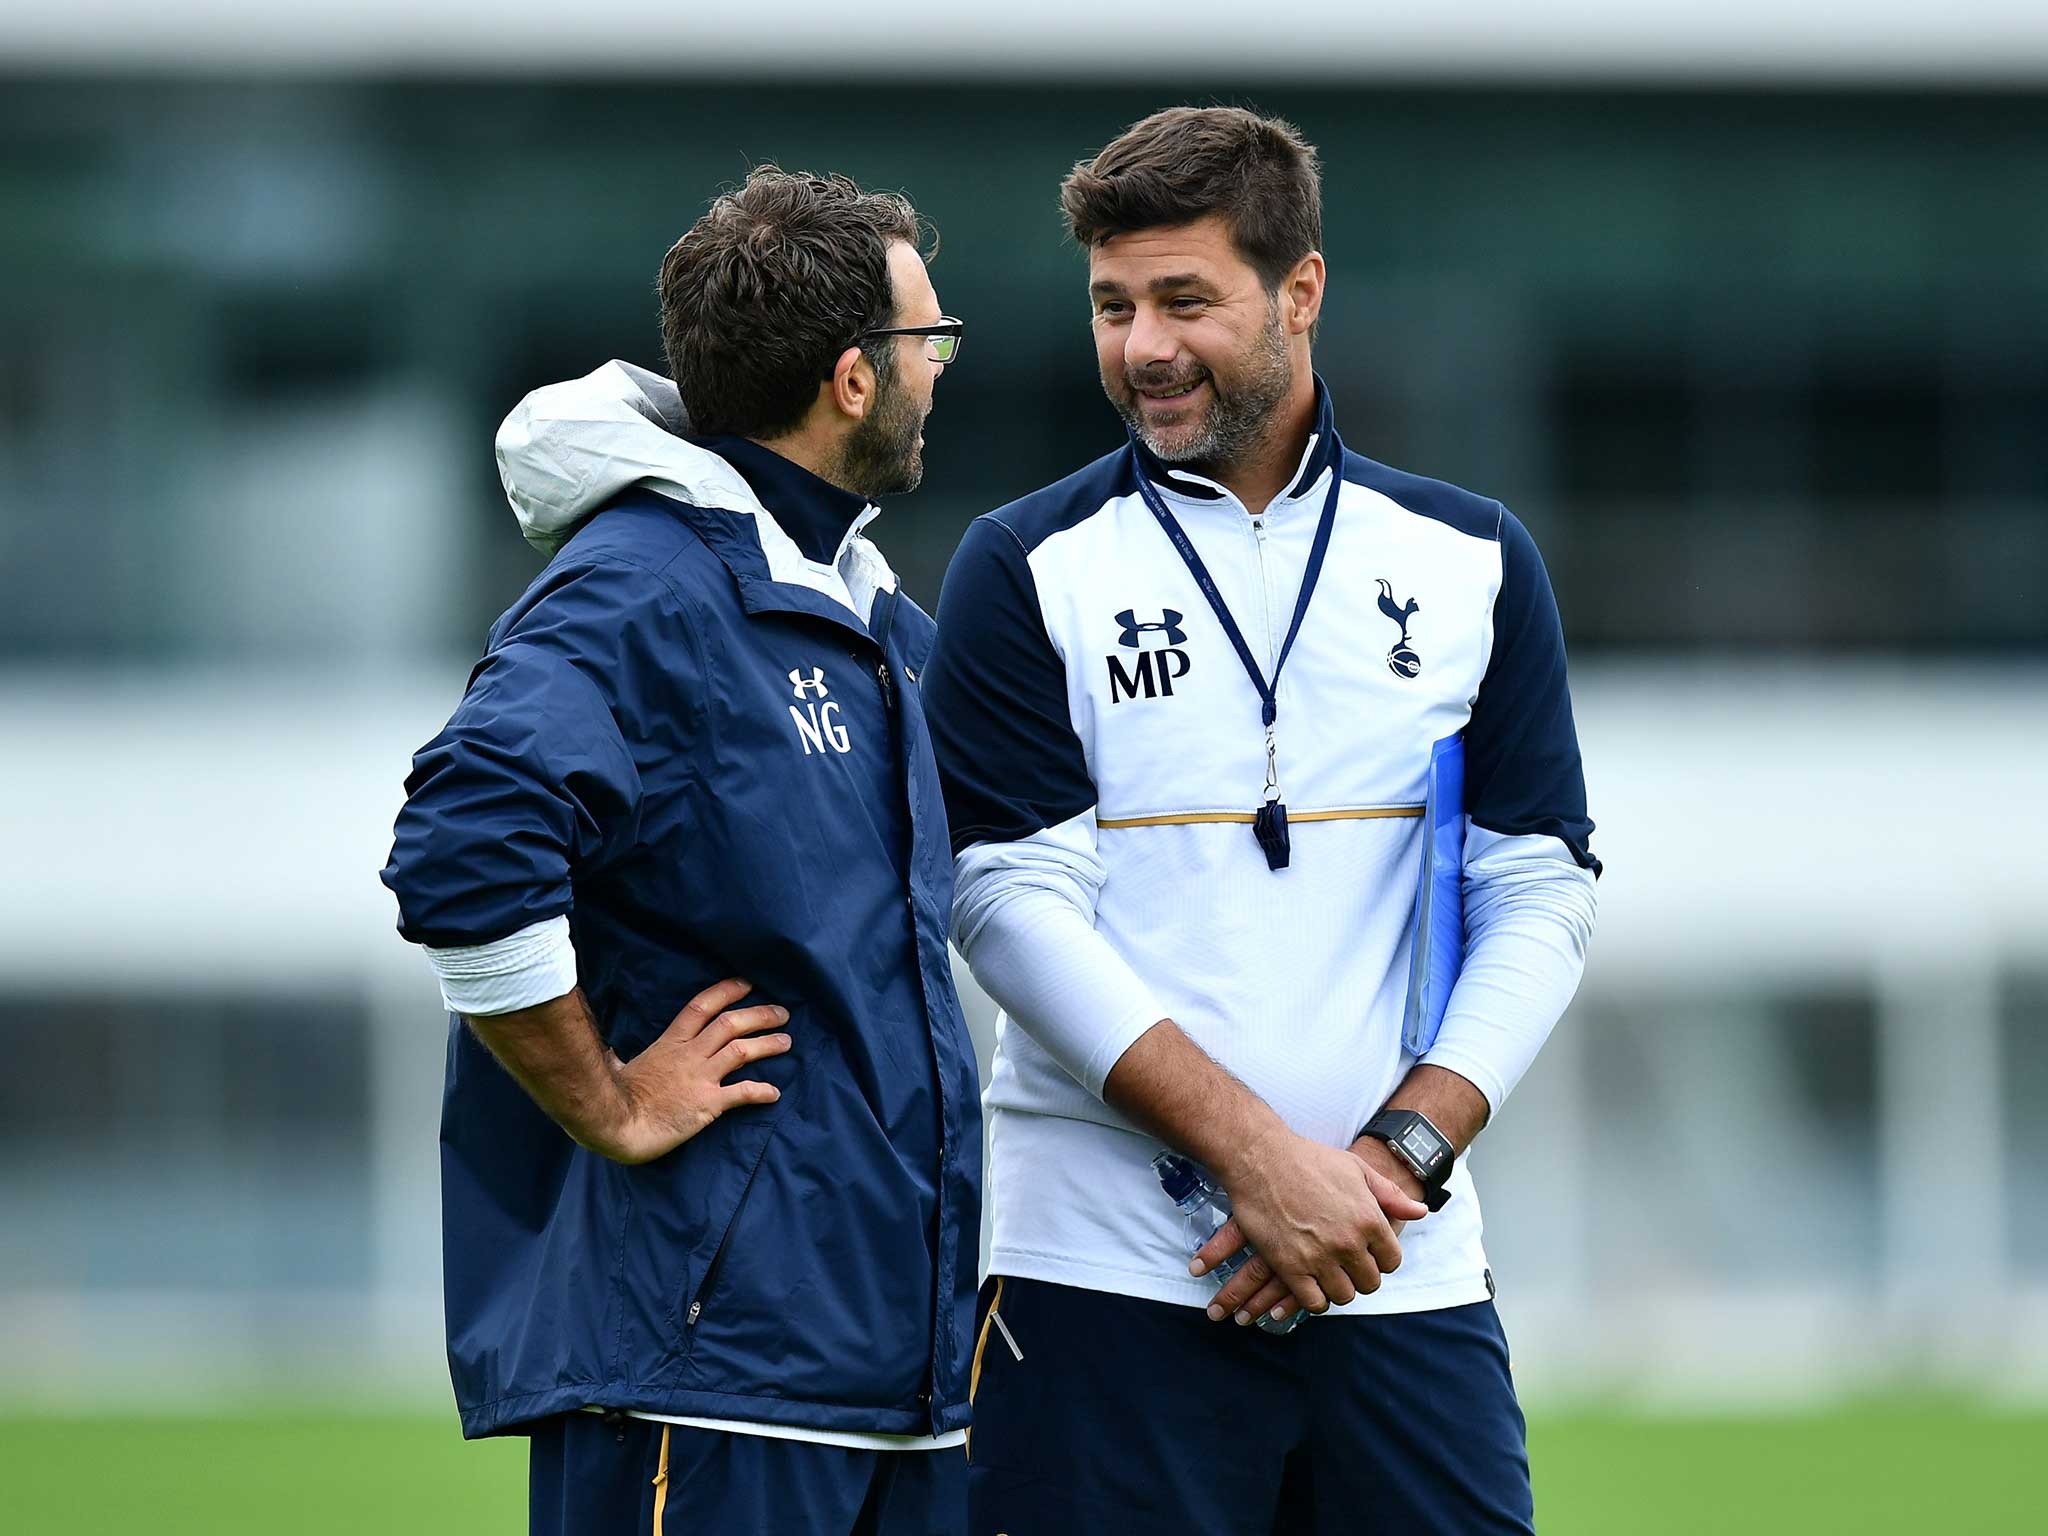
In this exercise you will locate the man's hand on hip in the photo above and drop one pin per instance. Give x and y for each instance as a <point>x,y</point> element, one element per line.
<point>677,1086</point>
<point>1323,1223</point>
<point>634,1111</point>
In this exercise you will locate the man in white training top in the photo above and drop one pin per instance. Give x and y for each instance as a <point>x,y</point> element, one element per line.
<point>1271,842</point>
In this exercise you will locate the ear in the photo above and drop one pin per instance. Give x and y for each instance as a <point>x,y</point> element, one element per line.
<point>851,388</point>
<point>1302,293</point>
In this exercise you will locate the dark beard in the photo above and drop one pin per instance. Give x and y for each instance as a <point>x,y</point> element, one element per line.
<point>881,456</point>
<point>1236,419</point>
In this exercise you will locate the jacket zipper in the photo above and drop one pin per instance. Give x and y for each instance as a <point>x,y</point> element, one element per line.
<point>888,686</point>
<point>1265,588</point>
<point>884,616</point>
<point>1272,788</point>
<point>711,1272</point>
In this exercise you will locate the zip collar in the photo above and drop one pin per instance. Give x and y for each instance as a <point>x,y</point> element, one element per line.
<point>1318,455</point>
<point>772,577</point>
<point>820,518</point>
<point>792,540</point>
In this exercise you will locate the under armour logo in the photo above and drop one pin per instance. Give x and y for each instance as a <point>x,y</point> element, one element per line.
<point>1149,679</point>
<point>1169,627</point>
<point>818,729</point>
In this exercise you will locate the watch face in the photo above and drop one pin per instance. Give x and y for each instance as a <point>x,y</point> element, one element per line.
<point>1424,1148</point>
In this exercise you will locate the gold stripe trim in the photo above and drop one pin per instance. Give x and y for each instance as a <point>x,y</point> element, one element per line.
<point>974,1370</point>
<point>1246,818</point>
<point>661,1482</point>
<point>1373,813</point>
<point>1185,819</point>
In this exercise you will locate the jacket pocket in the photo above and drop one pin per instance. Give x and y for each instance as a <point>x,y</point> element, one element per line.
<point>703,1293</point>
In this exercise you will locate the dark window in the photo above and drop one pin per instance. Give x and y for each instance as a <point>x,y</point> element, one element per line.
<point>2023,1057</point>
<point>1789,1079</point>
<point>1622,435</point>
<point>186,1142</point>
<point>2001,437</point>
<point>1877,440</point>
<point>291,345</point>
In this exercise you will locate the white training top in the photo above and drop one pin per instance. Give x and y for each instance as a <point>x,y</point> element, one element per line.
<point>1104,752</point>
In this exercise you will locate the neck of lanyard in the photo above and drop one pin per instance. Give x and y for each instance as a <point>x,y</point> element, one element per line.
<point>1269,825</point>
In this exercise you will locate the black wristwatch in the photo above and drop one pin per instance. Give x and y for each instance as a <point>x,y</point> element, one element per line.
<point>1424,1148</point>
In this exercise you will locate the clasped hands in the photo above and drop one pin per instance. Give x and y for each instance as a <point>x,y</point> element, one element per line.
<point>1324,1222</point>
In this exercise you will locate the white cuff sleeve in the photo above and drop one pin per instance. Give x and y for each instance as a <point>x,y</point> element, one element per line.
<point>535,965</point>
<point>1024,919</point>
<point>1529,911</point>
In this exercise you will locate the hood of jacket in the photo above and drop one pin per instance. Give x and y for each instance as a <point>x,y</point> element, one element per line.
<point>568,449</point>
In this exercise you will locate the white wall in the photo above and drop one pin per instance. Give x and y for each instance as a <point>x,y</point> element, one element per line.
<point>1867,40</point>
<point>1663,1219</point>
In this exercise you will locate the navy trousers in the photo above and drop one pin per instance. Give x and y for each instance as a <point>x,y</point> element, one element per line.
<point>596,1476</point>
<point>1142,1418</point>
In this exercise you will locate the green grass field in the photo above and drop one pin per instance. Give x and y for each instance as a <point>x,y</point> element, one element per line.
<point>1945,1470</point>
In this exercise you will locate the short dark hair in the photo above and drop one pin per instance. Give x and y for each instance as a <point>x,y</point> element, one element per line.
<point>1185,163</point>
<point>765,291</point>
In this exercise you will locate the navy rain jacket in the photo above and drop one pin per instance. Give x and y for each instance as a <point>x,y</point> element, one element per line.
<point>679,741</point>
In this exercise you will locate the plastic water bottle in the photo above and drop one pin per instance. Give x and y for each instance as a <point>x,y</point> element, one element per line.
<point>1205,1206</point>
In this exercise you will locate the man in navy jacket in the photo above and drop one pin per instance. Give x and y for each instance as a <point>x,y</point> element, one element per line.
<point>718,1264</point>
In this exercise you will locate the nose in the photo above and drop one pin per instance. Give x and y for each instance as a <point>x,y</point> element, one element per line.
<point>1149,340</point>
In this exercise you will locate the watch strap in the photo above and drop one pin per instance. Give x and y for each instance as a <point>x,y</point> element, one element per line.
<point>1399,1129</point>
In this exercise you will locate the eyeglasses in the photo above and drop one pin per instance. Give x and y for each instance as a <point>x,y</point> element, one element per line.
<point>941,337</point>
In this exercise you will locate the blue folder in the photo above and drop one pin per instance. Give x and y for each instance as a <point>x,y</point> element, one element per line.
<point>1439,947</point>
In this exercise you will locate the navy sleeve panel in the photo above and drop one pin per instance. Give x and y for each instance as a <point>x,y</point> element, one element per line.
<point>1480,517</point>
<point>995,696</point>
<point>531,780</point>
<point>1522,768</point>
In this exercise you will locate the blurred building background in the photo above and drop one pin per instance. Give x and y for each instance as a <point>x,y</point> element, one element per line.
<point>1747,320</point>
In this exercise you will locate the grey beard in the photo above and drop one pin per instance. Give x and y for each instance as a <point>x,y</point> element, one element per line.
<point>1236,421</point>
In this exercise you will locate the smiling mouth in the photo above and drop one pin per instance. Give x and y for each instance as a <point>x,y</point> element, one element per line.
<point>1179,396</point>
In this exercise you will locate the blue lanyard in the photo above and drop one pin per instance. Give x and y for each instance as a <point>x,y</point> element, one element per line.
<point>1270,823</point>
